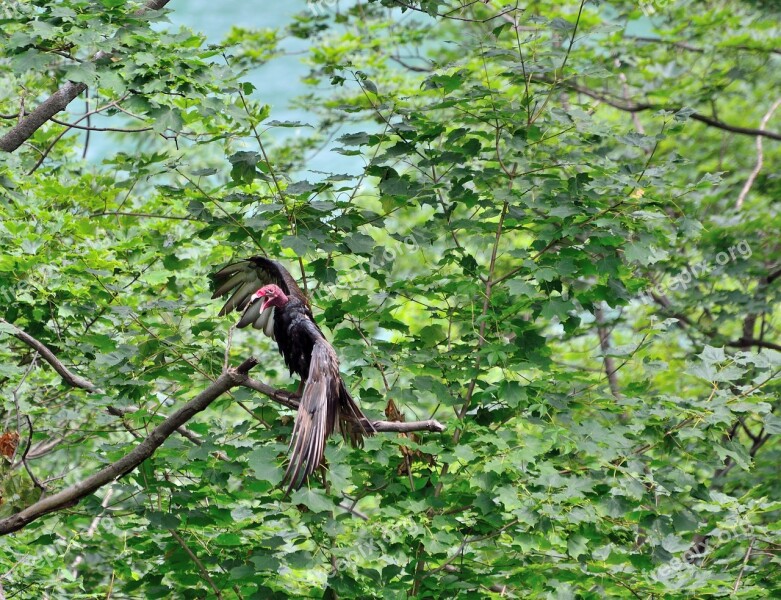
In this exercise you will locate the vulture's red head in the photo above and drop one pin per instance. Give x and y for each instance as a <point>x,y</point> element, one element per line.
<point>273,295</point>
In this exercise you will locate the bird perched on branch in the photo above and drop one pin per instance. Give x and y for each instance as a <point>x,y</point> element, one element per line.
<point>270,300</point>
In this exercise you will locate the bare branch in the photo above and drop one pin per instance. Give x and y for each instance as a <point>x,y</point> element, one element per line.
<point>73,494</point>
<point>408,427</point>
<point>350,508</point>
<point>37,482</point>
<point>57,102</point>
<point>291,401</point>
<point>760,157</point>
<point>204,573</point>
<point>743,566</point>
<point>691,48</point>
<point>746,342</point>
<point>80,382</point>
<point>70,378</point>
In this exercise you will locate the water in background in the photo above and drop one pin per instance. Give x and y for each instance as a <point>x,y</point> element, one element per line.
<point>276,82</point>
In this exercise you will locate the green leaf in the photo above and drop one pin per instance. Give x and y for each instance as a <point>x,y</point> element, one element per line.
<point>360,243</point>
<point>314,500</point>
<point>163,520</point>
<point>167,119</point>
<point>265,466</point>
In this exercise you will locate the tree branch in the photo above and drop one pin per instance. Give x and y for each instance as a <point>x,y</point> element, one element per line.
<point>58,101</point>
<point>290,400</point>
<point>691,48</point>
<point>73,494</point>
<point>760,157</point>
<point>70,378</point>
<point>229,379</point>
<point>80,382</point>
<point>607,360</point>
<point>746,342</point>
<point>203,571</point>
<point>633,107</point>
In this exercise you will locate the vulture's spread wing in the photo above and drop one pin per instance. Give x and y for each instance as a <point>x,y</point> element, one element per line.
<point>244,278</point>
<point>257,317</point>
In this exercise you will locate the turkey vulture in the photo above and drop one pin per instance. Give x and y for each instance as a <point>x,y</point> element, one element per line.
<point>284,315</point>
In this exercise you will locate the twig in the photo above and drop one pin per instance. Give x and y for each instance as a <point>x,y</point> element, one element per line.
<point>690,48</point>
<point>470,540</point>
<point>93,527</point>
<point>604,343</point>
<point>760,157</point>
<point>197,562</point>
<point>353,511</point>
<point>631,106</point>
<point>142,215</point>
<point>290,400</point>
<point>41,486</point>
<point>743,566</point>
<point>70,378</point>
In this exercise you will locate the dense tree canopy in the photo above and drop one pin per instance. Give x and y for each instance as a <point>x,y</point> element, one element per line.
<point>549,244</point>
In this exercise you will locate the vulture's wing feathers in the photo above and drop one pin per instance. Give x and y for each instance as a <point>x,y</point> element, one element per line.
<point>317,414</point>
<point>244,278</point>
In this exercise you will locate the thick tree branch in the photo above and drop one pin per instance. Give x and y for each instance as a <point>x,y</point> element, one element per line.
<point>290,400</point>
<point>746,342</point>
<point>73,494</point>
<point>57,102</point>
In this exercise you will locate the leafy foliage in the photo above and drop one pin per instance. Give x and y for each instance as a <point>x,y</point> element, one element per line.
<point>547,241</point>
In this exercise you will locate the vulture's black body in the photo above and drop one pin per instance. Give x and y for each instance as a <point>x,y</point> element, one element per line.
<point>295,332</point>
<point>325,401</point>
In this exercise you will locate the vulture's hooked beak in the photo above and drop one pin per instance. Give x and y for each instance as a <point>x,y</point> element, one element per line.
<point>266,302</point>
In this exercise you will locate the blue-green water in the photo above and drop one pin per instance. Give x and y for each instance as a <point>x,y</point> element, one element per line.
<point>276,83</point>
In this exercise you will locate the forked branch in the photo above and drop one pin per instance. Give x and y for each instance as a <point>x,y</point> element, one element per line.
<point>230,378</point>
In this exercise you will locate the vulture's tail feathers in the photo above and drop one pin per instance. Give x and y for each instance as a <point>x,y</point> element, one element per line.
<point>353,424</point>
<point>315,419</point>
